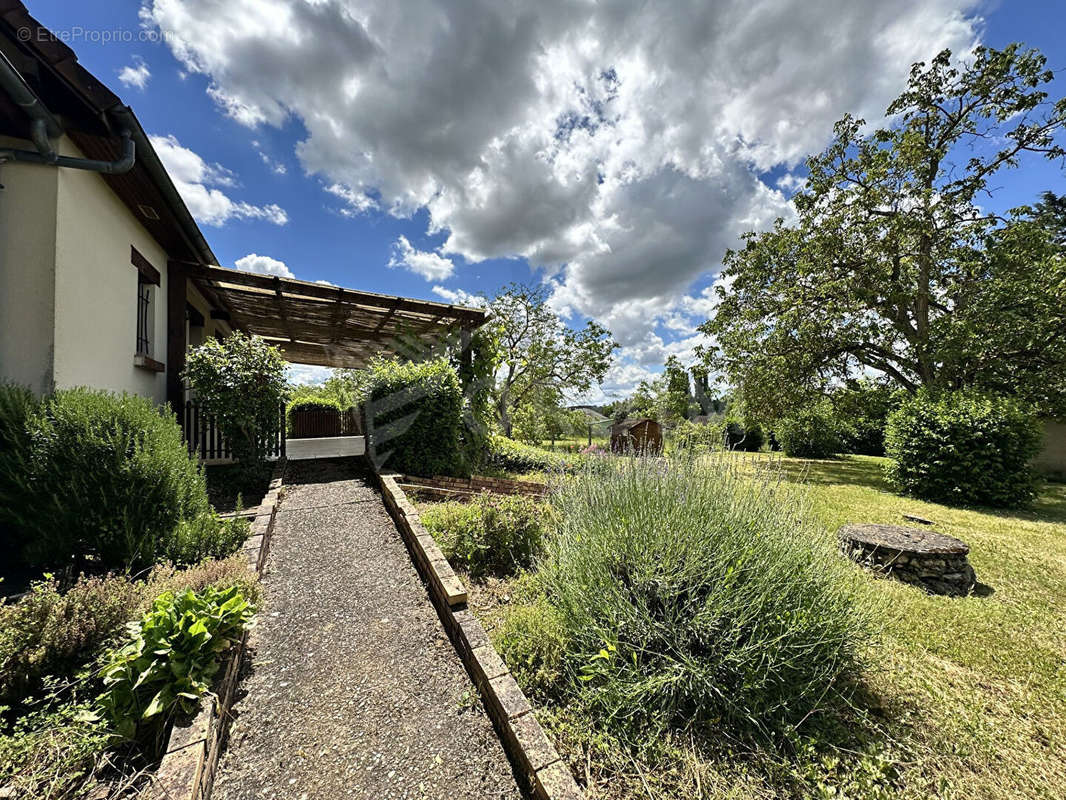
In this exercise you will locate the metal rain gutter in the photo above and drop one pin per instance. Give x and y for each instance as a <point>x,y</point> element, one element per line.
<point>44,127</point>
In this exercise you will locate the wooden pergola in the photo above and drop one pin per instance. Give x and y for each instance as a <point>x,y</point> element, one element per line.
<point>314,323</point>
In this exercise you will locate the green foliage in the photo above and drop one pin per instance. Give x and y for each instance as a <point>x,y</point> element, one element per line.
<point>512,456</point>
<point>538,352</point>
<point>895,265</point>
<point>17,407</point>
<point>111,483</point>
<point>174,652</point>
<point>809,432</point>
<point>52,753</point>
<point>532,641</point>
<point>861,409</point>
<point>739,434</point>
<point>314,404</point>
<point>241,382</point>
<point>490,534</point>
<point>52,632</point>
<point>416,410</point>
<point>689,595</point>
<point>963,448</point>
<point>48,632</point>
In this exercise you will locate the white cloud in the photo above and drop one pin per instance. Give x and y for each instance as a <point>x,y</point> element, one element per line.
<point>615,146</point>
<point>459,297</point>
<point>431,266</point>
<point>197,181</point>
<point>264,265</point>
<point>277,167</point>
<point>135,75</point>
<point>308,374</point>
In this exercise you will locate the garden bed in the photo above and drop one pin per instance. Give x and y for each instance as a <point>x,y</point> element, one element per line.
<point>958,694</point>
<point>229,483</point>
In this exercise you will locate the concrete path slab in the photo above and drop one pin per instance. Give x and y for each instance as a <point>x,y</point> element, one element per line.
<point>354,689</point>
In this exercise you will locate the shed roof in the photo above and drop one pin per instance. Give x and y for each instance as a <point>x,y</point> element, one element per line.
<point>627,424</point>
<point>328,326</point>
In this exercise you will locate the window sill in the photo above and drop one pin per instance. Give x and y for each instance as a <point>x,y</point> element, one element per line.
<point>142,361</point>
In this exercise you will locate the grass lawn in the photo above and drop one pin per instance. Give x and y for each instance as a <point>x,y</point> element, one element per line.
<point>963,697</point>
<point>974,688</point>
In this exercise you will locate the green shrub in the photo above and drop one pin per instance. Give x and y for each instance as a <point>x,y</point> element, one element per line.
<point>747,437</point>
<point>52,753</point>
<point>963,448</point>
<point>809,432</point>
<point>416,410</point>
<point>49,632</point>
<point>205,536</point>
<point>112,484</point>
<point>174,652</point>
<point>240,381</point>
<point>861,409</point>
<point>507,454</point>
<point>691,595</point>
<point>491,533</point>
<point>17,407</point>
<point>532,641</point>
<point>315,404</point>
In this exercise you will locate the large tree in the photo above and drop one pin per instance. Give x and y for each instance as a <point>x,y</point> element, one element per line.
<point>539,354</point>
<point>894,262</point>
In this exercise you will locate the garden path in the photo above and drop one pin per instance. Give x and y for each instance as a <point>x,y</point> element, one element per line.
<point>353,689</point>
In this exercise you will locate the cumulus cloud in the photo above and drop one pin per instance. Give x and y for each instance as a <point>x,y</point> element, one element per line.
<point>264,265</point>
<point>135,75</point>
<point>617,147</point>
<point>459,297</point>
<point>305,374</point>
<point>431,266</point>
<point>197,181</point>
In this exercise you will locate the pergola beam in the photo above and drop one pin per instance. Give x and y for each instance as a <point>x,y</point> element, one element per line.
<point>380,302</point>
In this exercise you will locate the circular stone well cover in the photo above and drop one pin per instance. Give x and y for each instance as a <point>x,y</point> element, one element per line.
<point>903,539</point>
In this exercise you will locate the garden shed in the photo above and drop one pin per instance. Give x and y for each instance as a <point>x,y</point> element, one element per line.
<point>643,436</point>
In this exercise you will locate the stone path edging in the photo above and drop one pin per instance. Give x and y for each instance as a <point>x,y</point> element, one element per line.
<point>187,771</point>
<point>523,738</point>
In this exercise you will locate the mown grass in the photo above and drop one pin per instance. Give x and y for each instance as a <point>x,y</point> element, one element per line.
<point>975,687</point>
<point>961,698</point>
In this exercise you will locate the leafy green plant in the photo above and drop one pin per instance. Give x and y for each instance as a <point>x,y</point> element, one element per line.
<point>963,448</point>
<point>717,600</point>
<point>50,631</point>
<point>809,432</point>
<point>17,407</point>
<point>53,753</point>
<point>510,455</point>
<point>491,533</point>
<point>532,640</point>
<point>240,381</point>
<point>416,410</point>
<point>173,654</point>
<point>111,483</point>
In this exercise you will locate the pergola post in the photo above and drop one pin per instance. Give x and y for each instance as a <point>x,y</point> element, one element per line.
<point>176,344</point>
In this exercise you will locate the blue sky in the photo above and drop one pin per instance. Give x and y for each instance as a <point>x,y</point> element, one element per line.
<point>474,144</point>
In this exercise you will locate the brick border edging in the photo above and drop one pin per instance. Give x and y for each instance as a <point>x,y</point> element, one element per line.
<point>187,770</point>
<point>521,734</point>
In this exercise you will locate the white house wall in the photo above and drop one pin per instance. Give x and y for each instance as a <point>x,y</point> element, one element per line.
<point>96,288</point>
<point>27,271</point>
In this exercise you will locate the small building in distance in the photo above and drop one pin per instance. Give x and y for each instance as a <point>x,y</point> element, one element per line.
<point>643,436</point>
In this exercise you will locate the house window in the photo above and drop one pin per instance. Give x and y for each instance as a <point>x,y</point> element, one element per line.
<point>144,318</point>
<point>147,283</point>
